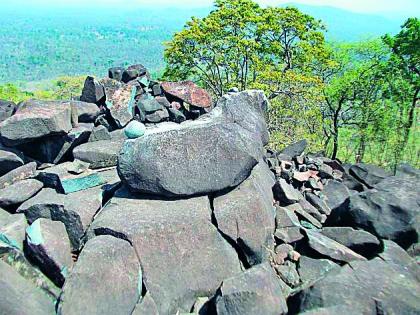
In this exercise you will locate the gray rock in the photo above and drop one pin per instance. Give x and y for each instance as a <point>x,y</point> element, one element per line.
<point>75,210</point>
<point>359,241</point>
<point>318,203</point>
<point>87,112</point>
<point>331,248</point>
<point>246,215</point>
<point>12,231</point>
<point>295,149</point>
<point>193,258</point>
<point>336,194</point>
<point>304,215</point>
<point>35,120</point>
<point>116,73</point>
<point>311,270</point>
<point>247,109</point>
<point>93,91</point>
<point>9,161</point>
<point>121,104</point>
<point>325,171</point>
<point>391,211</point>
<point>311,210</point>
<point>285,193</point>
<point>23,172</point>
<point>205,155</point>
<point>7,109</point>
<point>99,133</point>
<point>19,192</point>
<point>365,287</point>
<point>255,291</point>
<point>19,297</point>
<point>48,246</point>
<point>107,279</point>
<point>288,273</point>
<point>146,306</point>
<point>158,116</point>
<point>133,72</point>
<point>99,154</point>
<point>367,174</point>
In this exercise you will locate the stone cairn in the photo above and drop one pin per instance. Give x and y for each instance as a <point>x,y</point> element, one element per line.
<point>148,197</point>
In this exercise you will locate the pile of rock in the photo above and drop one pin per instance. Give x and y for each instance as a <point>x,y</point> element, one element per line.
<point>192,217</point>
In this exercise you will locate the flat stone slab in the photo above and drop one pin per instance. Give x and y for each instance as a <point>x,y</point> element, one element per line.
<point>107,279</point>
<point>188,92</point>
<point>19,192</point>
<point>177,236</point>
<point>20,173</point>
<point>99,154</point>
<point>36,119</point>
<point>12,231</point>
<point>19,297</point>
<point>9,161</point>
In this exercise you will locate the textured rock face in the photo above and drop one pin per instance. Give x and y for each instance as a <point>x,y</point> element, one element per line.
<point>7,109</point>
<point>188,92</point>
<point>19,192</point>
<point>195,158</point>
<point>9,160</point>
<point>99,154</point>
<point>35,120</point>
<point>177,236</point>
<point>255,291</point>
<point>106,280</point>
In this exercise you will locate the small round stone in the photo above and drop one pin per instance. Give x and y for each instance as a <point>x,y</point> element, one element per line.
<point>134,129</point>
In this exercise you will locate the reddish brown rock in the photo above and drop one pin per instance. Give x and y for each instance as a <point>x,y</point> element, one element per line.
<point>188,92</point>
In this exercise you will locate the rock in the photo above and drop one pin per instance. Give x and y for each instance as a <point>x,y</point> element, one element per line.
<point>336,194</point>
<point>285,193</point>
<point>158,116</point>
<point>75,210</point>
<point>20,173</point>
<point>325,171</point>
<point>331,248</point>
<point>295,149</point>
<point>288,226</point>
<point>193,258</point>
<point>134,129</point>
<point>406,170</point>
<point>99,133</point>
<point>287,272</point>
<point>48,246</point>
<point>247,109</point>
<point>311,270</point>
<point>246,215</point>
<point>19,297</point>
<point>7,109</point>
<point>227,151</point>
<point>17,193</point>
<point>309,209</point>
<point>121,104</point>
<point>255,291</point>
<point>188,92</point>
<point>87,112</point>
<point>74,176</point>
<point>116,73</point>
<point>9,160</point>
<point>99,154</point>
<point>133,72</point>
<point>391,211</point>
<point>359,241</point>
<point>93,91</point>
<point>176,115</point>
<point>107,279</point>
<point>12,231</point>
<point>35,120</point>
<point>146,306</point>
<point>367,174</point>
<point>162,100</point>
<point>318,203</point>
<point>364,287</point>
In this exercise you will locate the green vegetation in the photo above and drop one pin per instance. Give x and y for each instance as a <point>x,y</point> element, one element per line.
<point>354,101</point>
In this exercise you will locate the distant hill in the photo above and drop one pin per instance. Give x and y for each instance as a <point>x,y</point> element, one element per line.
<point>39,44</point>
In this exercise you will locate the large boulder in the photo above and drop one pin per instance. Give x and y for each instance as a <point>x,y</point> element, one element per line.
<point>35,119</point>
<point>19,192</point>
<point>247,109</point>
<point>390,211</point>
<point>99,154</point>
<point>19,297</point>
<point>20,173</point>
<point>12,231</point>
<point>182,254</point>
<point>9,160</point>
<point>93,91</point>
<point>120,104</point>
<point>255,291</point>
<point>246,215</point>
<point>368,174</point>
<point>107,279</point>
<point>387,285</point>
<point>196,157</point>
<point>87,112</point>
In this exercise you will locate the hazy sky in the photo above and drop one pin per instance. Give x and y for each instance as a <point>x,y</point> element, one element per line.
<point>407,7</point>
